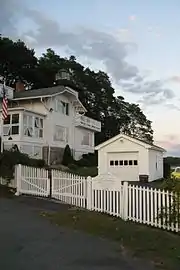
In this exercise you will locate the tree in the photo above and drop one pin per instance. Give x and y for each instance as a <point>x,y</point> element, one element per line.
<point>16,61</point>
<point>95,88</point>
<point>67,156</point>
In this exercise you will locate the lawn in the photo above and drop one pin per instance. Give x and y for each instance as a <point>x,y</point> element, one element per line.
<point>158,246</point>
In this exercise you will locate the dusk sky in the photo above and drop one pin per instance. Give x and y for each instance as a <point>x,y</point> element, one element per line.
<point>136,42</point>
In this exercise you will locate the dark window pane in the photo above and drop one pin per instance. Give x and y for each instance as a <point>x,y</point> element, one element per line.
<point>41,133</point>
<point>111,162</point>
<point>7,120</point>
<point>15,118</point>
<point>125,162</point>
<point>14,130</point>
<point>121,162</point>
<point>130,162</point>
<point>67,108</point>
<point>116,162</point>
<point>135,162</point>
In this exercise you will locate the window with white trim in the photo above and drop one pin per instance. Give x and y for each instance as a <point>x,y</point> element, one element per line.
<point>32,126</point>
<point>87,138</point>
<point>11,125</point>
<point>62,107</point>
<point>61,134</point>
<point>38,127</point>
<point>28,125</point>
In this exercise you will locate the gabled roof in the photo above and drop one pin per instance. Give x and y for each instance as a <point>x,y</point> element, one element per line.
<point>36,93</point>
<point>47,92</point>
<point>135,140</point>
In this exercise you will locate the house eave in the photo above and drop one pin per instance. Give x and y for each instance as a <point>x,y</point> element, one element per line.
<point>144,144</point>
<point>24,110</point>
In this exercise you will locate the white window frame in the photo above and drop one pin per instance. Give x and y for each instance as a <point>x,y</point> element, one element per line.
<point>65,134</point>
<point>90,138</point>
<point>10,125</point>
<point>33,126</point>
<point>61,107</point>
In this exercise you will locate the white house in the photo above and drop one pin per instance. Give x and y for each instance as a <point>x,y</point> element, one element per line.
<point>43,121</point>
<point>127,158</point>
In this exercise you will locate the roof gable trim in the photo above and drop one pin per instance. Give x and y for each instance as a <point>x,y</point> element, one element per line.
<point>136,141</point>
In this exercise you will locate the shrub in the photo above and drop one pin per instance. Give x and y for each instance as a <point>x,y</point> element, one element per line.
<point>8,160</point>
<point>166,169</point>
<point>73,167</point>
<point>88,160</point>
<point>67,156</point>
<point>170,213</point>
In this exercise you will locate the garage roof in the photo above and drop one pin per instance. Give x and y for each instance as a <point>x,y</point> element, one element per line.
<point>135,140</point>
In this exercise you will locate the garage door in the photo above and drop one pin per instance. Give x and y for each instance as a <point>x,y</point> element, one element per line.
<point>124,165</point>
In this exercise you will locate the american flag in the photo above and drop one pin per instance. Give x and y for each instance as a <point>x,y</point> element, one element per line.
<point>4,104</point>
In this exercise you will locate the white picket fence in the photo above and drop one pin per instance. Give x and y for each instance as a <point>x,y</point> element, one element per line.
<point>69,188</point>
<point>32,181</point>
<point>104,193</point>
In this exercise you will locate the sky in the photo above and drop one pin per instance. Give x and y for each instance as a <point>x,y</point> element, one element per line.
<point>135,41</point>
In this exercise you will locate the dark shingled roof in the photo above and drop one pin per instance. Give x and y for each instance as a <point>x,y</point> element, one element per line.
<point>39,92</point>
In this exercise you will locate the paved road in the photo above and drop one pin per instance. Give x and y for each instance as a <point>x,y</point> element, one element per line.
<point>28,241</point>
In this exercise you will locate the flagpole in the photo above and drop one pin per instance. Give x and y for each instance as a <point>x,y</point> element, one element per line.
<point>2,121</point>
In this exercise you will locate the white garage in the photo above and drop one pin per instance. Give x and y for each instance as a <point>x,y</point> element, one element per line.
<point>128,158</point>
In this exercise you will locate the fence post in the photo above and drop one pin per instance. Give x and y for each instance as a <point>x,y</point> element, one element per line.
<point>89,193</point>
<point>18,176</point>
<point>49,183</point>
<point>125,201</point>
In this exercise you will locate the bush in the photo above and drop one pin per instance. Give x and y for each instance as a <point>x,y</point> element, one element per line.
<point>166,170</point>
<point>88,160</point>
<point>67,156</point>
<point>170,213</point>
<point>8,160</point>
<point>73,167</point>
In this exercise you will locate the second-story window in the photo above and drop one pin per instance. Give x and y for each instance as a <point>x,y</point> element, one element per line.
<point>86,138</point>
<point>11,125</point>
<point>32,126</point>
<point>62,107</point>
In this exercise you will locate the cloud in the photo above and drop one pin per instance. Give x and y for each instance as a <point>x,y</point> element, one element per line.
<point>151,92</point>
<point>132,17</point>
<point>84,42</point>
<point>175,79</point>
<point>91,44</point>
<point>173,149</point>
<point>10,12</point>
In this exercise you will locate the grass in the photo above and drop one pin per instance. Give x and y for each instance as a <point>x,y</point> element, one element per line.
<point>158,246</point>
<point>6,192</point>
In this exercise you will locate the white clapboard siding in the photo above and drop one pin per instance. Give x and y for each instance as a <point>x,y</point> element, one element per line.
<point>69,188</point>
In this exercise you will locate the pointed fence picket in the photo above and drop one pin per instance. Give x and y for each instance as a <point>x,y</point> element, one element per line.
<point>104,193</point>
<point>69,188</point>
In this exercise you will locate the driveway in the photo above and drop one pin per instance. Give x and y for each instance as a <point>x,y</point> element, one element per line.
<point>29,241</point>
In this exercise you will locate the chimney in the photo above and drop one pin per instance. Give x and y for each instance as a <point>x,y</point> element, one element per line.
<point>20,86</point>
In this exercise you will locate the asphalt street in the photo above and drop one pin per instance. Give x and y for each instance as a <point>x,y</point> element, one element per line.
<point>29,241</point>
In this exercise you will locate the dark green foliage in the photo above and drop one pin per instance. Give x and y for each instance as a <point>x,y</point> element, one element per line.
<point>166,169</point>
<point>171,213</point>
<point>67,156</point>
<point>88,160</point>
<point>8,160</point>
<point>73,167</point>
<point>173,161</point>
<point>83,162</point>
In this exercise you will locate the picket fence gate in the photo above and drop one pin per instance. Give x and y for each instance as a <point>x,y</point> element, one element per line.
<point>103,193</point>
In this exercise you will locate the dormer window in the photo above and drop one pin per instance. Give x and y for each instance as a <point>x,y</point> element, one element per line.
<point>63,75</point>
<point>62,107</point>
